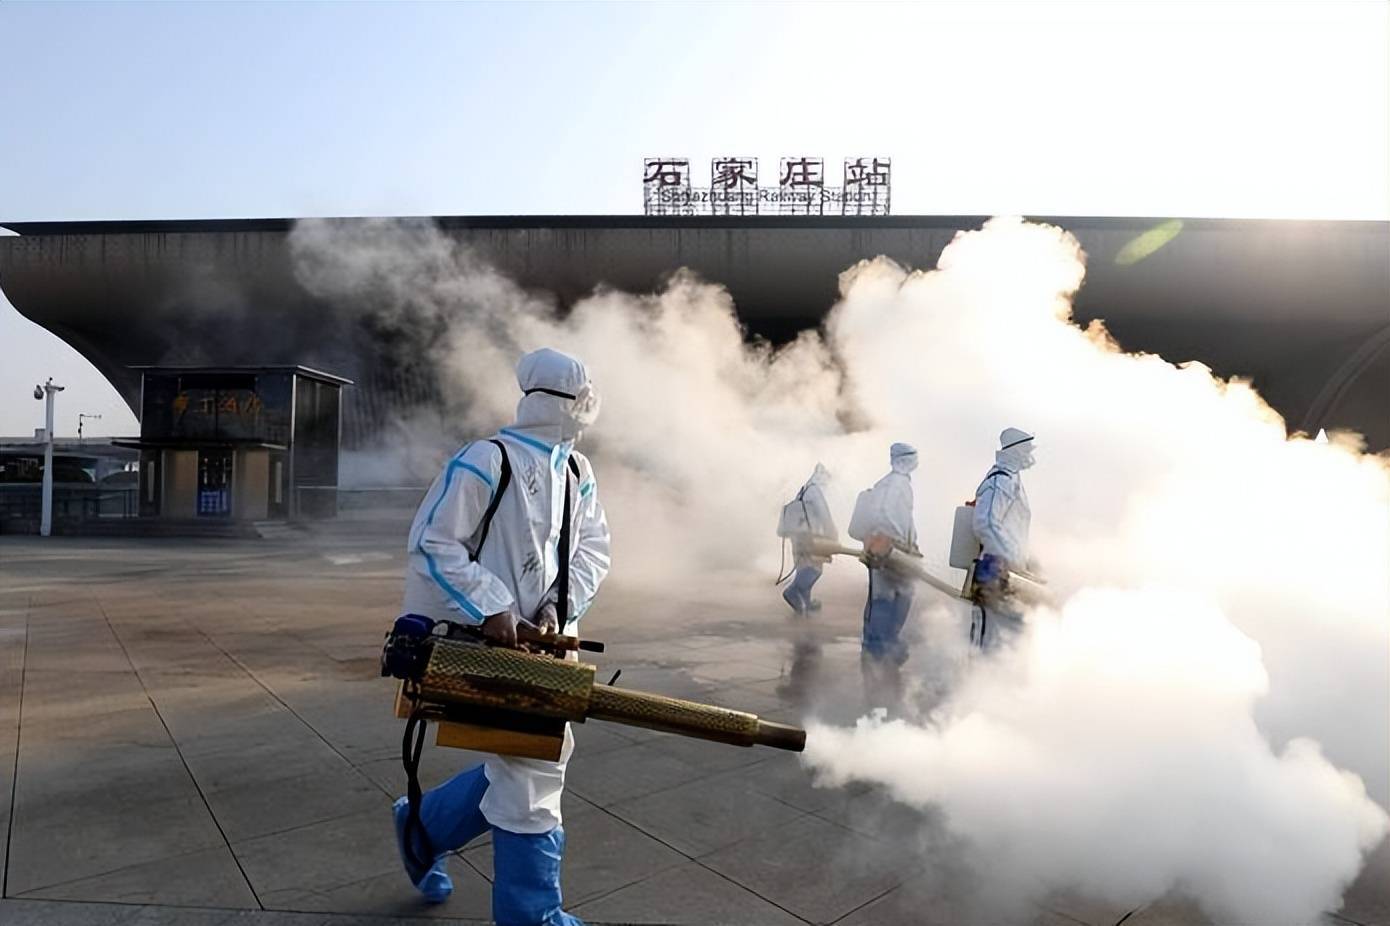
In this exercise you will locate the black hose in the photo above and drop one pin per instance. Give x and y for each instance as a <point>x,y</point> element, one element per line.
<point>412,746</point>
<point>784,576</point>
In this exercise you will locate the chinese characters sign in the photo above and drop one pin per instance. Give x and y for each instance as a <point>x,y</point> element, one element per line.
<point>203,406</point>
<point>734,189</point>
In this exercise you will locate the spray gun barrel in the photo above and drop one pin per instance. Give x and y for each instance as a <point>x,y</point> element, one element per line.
<point>893,559</point>
<point>512,702</point>
<point>1028,588</point>
<point>691,718</point>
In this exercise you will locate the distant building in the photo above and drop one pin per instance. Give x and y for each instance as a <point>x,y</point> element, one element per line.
<point>240,443</point>
<point>93,479</point>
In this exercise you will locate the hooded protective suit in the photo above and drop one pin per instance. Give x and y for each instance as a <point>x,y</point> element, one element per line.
<point>516,570</point>
<point>1002,515</point>
<point>1002,518</point>
<point>887,509</point>
<point>811,504</point>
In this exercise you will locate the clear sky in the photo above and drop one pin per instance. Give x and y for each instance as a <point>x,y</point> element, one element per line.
<point>202,110</point>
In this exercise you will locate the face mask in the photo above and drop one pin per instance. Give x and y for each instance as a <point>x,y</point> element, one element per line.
<point>586,406</point>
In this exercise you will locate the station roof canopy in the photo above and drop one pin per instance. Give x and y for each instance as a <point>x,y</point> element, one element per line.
<point>1301,308</point>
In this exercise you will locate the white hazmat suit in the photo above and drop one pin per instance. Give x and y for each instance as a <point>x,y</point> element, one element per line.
<point>1002,518</point>
<point>806,519</point>
<point>885,510</point>
<point>516,570</point>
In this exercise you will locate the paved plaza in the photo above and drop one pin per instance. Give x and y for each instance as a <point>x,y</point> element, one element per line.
<point>194,731</point>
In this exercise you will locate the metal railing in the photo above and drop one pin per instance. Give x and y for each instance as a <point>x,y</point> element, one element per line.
<point>21,504</point>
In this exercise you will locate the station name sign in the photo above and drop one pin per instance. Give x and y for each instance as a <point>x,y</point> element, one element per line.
<point>734,188</point>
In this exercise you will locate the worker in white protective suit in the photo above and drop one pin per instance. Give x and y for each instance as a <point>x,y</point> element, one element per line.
<point>1001,522</point>
<point>883,521</point>
<point>805,520</point>
<point>498,572</point>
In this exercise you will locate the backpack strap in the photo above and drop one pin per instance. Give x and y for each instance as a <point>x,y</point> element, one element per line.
<point>990,475</point>
<point>562,607</point>
<point>503,480</point>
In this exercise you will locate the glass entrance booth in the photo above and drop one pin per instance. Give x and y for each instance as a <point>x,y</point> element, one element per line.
<point>239,443</point>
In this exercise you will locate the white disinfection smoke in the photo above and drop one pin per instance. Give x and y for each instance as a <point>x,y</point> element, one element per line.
<point>1114,752</point>
<point>1223,588</point>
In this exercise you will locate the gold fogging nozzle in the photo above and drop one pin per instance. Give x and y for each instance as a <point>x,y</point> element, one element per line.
<point>691,718</point>
<point>781,736</point>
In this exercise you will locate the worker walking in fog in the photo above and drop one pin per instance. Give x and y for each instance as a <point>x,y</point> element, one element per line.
<point>1001,521</point>
<point>805,520</point>
<point>511,531</point>
<point>883,522</point>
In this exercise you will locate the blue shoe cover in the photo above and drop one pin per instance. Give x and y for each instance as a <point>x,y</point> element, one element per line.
<point>526,879</point>
<point>433,882</point>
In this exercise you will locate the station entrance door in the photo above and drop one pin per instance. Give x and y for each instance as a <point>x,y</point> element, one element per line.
<point>214,483</point>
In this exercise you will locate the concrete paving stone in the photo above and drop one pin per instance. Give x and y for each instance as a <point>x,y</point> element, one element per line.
<point>733,672</point>
<point>56,601</point>
<point>52,695</point>
<point>602,853</point>
<point>709,756</point>
<point>437,765</point>
<point>207,675</point>
<point>135,728</point>
<point>815,869</point>
<point>54,844</point>
<point>872,812</point>
<point>374,738</point>
<point>596,737</point>
<point>660,681</point>
<point>209,878</point>
<point>782,776</point>
<point>189,655</point>
<point>685,894</point>
<point>752,700</point>
<point>1169,912</point>
<point>265,762</point>
<point>62,913</point>
<point>78,657</point>
<point>4,819</point>
<point>393,895</point>
<point>930,900</point>
<point>626,773</point>
<point>705,815</point>
<point>323,855</point>
<point>357,724</point>
<point>71,779</point>
<point>47,913</point>
<point>256,808</point>
<point>247,723</point>
<point>838,699</point>
<point>663,653</point>
<point>1079,908</point>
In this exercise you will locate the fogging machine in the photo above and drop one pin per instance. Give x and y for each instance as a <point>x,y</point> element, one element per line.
<point>516,701</point>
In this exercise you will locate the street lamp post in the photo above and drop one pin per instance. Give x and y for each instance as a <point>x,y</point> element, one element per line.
<point>47,391</point>
<point>80,419</point>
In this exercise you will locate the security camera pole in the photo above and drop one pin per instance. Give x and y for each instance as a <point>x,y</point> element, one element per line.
<point>47,391</point>
<point>82,417</point>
